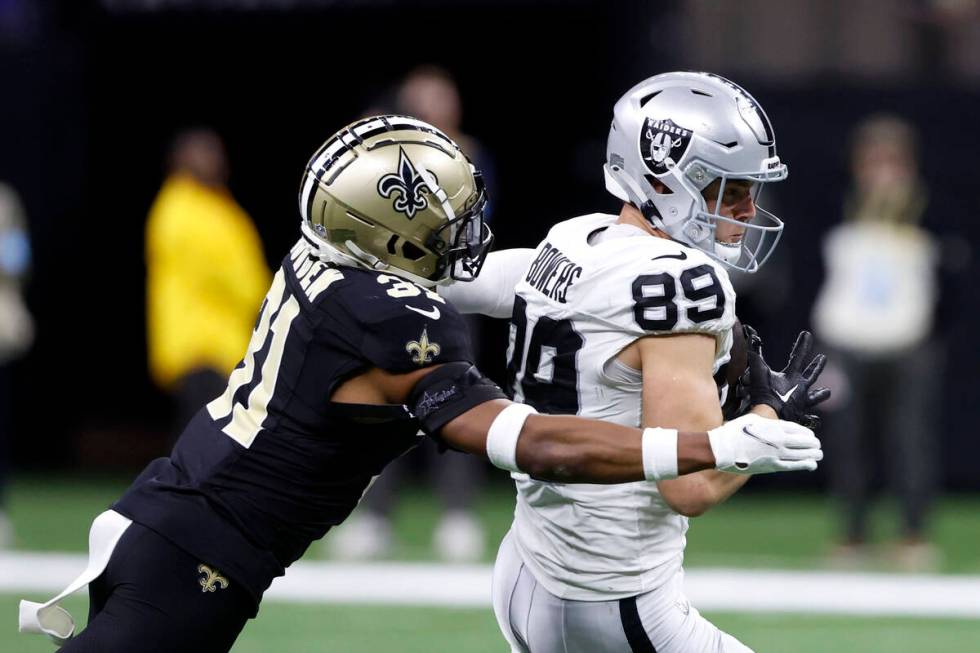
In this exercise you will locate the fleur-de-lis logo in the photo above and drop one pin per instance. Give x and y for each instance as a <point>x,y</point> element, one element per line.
<point>408,184</point>
<point>423,350</point>
<point>212,579</point>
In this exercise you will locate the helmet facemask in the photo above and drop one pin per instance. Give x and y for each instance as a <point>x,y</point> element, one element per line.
<point>760,235</point>
<point>464,241</point>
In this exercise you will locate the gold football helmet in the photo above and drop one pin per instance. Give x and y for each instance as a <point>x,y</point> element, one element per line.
<point>394,193</point>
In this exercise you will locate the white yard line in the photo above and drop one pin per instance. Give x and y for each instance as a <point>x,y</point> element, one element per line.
<point>38,575</point>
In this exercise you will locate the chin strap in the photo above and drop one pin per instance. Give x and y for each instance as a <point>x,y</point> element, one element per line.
<point>366,258</point>
<point>624,187</point>
<point>359,258</point>
<point>328,253</point>
<point>728,252</point>
<point>652,215</point>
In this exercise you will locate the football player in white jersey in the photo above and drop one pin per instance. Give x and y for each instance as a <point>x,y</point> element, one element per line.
<point>627,318</point>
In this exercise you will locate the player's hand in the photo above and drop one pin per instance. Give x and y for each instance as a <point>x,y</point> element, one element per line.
<point>789,392</point>
<point>752,444</point>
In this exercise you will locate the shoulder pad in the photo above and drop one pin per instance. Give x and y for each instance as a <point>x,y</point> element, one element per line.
<point>402,326</point>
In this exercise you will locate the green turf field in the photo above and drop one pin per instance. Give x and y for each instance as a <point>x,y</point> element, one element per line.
<point>750,530</point>
<point>288,628</point>
<point>784,531</point>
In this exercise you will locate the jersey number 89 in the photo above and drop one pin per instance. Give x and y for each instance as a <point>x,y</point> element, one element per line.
<point>655,307</point>
<point>546,376</point>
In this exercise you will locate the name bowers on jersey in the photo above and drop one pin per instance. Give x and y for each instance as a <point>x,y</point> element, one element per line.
<point>552,273</point>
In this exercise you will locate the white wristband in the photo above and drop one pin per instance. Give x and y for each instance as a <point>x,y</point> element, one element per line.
<point>503,434</point>
<point>659,454</point>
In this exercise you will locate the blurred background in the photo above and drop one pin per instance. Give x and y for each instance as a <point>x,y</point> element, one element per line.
<point>874,104</point>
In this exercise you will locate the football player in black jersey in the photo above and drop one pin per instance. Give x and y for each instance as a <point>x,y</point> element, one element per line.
<point>351,355</point>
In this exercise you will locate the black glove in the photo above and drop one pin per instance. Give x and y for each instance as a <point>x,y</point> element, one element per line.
<point>790,392</point>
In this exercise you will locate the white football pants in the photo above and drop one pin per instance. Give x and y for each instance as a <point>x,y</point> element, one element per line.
<point>661,621</point>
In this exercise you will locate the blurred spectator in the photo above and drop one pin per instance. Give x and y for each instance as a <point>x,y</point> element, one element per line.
<point>16,325</point>
<point>430,94</point>
<point>876,310</point>
<point>206,275</point>
<point>860,39</point>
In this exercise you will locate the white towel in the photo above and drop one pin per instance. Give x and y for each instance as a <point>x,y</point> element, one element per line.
<point>51,619</point>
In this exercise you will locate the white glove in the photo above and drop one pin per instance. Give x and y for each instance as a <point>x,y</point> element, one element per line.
<point>752,444</point>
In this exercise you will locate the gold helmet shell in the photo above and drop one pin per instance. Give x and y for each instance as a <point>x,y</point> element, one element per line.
<point>394,193</point>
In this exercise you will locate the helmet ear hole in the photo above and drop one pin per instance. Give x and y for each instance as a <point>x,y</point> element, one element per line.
<point>659,187</point>
<point>412,252</point>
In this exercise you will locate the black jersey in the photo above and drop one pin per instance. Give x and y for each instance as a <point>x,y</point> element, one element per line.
<point>272,464</point>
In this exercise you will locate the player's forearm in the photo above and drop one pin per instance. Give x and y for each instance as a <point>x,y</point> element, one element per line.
<point>570,449</point>
<point>716,486</point>
<point>695,494</point>
<point>712,486</point>
<point>577,450</point>
<point>470,413</point>
<point>721,485</point>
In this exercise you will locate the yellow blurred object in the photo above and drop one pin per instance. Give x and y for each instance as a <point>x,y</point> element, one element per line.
<point>206,276</point>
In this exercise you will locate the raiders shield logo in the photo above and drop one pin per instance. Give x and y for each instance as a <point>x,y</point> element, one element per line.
<point>662,144</point>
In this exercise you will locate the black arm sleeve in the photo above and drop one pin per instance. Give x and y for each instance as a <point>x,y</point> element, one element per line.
<point>448,392</point>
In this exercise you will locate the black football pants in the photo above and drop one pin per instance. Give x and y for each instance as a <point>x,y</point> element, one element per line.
<point>152,598</point>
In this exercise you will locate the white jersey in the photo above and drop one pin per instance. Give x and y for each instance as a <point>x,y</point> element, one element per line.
<point>585,296</point>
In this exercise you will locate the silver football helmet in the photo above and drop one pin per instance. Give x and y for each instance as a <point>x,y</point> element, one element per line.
<point>687,129</point>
